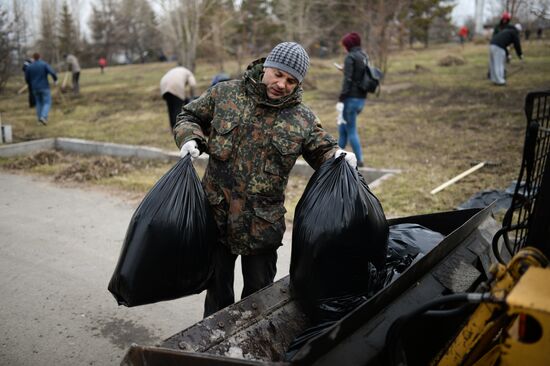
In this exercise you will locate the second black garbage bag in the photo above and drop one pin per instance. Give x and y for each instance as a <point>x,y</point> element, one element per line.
<point>339,228</point>
<point>167,251</point>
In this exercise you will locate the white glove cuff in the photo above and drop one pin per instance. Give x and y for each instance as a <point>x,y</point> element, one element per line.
<point>350,157</point>
<point>190,147</point>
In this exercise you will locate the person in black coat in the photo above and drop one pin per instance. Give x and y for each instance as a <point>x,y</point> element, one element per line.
<point>32,102</point>
<point>351,95</point>
<point>503,23</point>
<point>498,53</point>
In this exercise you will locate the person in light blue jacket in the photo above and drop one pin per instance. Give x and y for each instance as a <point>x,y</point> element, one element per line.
<point>36,75</point>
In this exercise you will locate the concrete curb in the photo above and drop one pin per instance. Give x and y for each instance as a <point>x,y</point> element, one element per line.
<point>29,147</point>
<point>374,177</point>
<point>107,148</point>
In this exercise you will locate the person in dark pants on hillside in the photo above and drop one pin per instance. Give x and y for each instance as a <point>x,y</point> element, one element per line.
<point>351,95</point>
<point>36,76</point>
<point>253,129</point>
<point>173,90</point>
<point>26,64</point>
<point>74,68</point>
<point>498,53</point>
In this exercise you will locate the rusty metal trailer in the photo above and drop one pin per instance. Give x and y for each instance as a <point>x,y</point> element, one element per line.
<point>258,329</point>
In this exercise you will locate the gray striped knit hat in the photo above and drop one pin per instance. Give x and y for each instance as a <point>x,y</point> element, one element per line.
<point>289,57</point>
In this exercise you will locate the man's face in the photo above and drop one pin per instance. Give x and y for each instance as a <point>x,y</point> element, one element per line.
<point>279,83</point>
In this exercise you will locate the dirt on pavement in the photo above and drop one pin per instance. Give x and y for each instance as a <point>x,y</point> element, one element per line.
<point>58,249</point>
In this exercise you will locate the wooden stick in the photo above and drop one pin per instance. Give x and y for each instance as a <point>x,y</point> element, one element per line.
<point>458,177</point>
<point>60,93</point>
<point>65,80</point>
<point>23,88</point>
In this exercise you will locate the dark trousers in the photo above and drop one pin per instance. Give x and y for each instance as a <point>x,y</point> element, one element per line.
<point>258,272</point>
<point>32,102</point>
<point>76,79</point>
<point>174,107</point>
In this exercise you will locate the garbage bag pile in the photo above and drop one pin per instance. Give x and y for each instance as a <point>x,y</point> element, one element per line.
<point>343,251</point>
<point>167,251</point>
<point>503,198</point>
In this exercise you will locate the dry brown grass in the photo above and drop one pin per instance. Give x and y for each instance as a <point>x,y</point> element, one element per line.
<point>430,121</point>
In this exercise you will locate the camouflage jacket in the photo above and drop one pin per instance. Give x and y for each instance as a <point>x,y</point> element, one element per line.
<point>253,143</point>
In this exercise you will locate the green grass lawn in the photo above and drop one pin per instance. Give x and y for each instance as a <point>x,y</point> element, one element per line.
<point>430,121</point>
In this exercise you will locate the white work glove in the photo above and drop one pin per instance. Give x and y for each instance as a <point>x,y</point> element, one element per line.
<point>190,147</point>
<point>340,118</point>
<point>350,157</point>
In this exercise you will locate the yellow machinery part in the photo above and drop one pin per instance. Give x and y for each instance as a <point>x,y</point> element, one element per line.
<point>478,342</point>
<point>531,296</point>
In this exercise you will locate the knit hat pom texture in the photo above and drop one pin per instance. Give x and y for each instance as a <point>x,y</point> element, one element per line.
<point>289,57</point>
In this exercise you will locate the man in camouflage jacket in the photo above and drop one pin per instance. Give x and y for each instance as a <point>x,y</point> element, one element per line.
<point>253,129</point>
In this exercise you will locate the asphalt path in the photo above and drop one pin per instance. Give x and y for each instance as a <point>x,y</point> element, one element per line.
<point>58,249</point>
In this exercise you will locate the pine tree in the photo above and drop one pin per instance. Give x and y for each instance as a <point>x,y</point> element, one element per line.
<point>422,14</point>
<point>219,29</point>
<point>258,27</point>
<point>67,38</point>
<point>140,37</point>
<point>104,30</point>
<point>47,43</point>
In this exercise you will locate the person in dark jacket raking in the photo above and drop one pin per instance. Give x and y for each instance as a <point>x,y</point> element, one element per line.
<point>253,129</point>
<point>498,52</point>
<point>351,95</point>
<point>503,23</point>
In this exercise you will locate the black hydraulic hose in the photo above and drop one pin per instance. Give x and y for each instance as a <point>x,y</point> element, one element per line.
<point>504,233</point>
<point>450,312</point>
<point>395,351</point>
<point>494,245</point>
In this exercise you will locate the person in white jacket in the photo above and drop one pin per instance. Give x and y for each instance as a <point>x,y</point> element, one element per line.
<point>74,68</point>
<point>173,87</point>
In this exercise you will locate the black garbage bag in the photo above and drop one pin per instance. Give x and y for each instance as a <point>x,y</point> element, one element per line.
<point>410,239</point>
<point>167,252</point>
<point>407,243</point>
<point>339,228</point>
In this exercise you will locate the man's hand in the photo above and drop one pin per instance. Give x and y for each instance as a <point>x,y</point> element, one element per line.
<point>190,147</point>
<point>349,157</point>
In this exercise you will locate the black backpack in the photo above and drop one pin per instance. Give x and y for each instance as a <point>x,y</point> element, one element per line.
<point>371,78</point>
